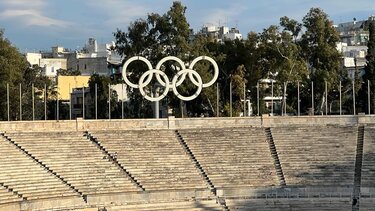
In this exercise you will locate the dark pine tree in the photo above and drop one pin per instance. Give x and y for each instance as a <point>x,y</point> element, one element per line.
<point>369,75</point>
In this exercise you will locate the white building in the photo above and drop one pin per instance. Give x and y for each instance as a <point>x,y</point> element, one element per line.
<point>221,33</point>
<point>353,46</point>
<point>95,59</point>
<point>59,52</point>
<point>49,65</point>
<point>357,51</point>
<point>33,58</point>
<point>353,32</point>
<point>233,34</point>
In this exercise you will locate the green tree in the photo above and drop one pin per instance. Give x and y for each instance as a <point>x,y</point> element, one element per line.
<point>281,59</point>
<point>233,58</point>
<point>370,69</point>
<point>12,65</point>
<point>32,76</point>
<point>102,83</point>
<point>238,82</point>
<point>16,71</point>
<point>159,36</point>
<point>319,49</point>
<point>292,26</point>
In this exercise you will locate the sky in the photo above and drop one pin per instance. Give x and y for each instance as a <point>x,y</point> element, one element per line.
<point>34,25</point>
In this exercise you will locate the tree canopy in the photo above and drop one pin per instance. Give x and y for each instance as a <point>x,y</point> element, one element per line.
<point>369,75</point>
<point>289,53</point>
<point>16,71</point>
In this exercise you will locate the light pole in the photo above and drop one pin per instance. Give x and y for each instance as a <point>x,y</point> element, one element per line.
<point>272,97</point>
<point>122,100</point>
<point>299,111</point>
<point>217,100</point>
<point>109,101</point>
<point>32,97</point>
<point>354,112</point>
<point>326,91</point>
<point>45,102</point>
<point>368,97</point>
<point>8,103</point>
<point>230,97</point>
<point>284,98</point>
<point>83,101</point>
<point>312,97</point>
<point>244,99</point>
<point>57,104</point>
<point>21,102</point>
<point>340,98</point>
<point>249,109</point>
<point>157,103</point>
<point>96,101</point>
<point>258,98</point>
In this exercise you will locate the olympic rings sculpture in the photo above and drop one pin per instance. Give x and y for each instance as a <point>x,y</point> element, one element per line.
<point>163,79</point>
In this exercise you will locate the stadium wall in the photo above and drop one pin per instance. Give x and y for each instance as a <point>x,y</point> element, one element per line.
<point>182,123</point>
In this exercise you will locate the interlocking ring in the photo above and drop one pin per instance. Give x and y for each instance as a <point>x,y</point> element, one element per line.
<point>163,79</point>
<point>173,58</point>
<point>135,58</point>
<point>184,72</point>
<point>216,68</point>
<point>142,84</point>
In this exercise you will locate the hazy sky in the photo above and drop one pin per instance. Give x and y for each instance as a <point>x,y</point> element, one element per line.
<point>34,25</point>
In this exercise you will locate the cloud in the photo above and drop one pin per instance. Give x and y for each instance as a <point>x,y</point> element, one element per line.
<point>30,14</point>
<point>224,15</point>
<point>31,17</point>
<point>120,12</point>
<point>23,3</point>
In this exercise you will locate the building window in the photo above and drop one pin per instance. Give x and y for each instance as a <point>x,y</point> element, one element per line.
<point>77,66</point>
<point>85,67</point>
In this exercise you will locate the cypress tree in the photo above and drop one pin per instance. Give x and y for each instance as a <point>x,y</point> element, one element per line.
<point>370,66</point>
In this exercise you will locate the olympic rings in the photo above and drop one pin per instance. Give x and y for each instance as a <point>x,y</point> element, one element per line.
<point>142,84</point>
<point>216,68</point>
<point>184,72</point>
<point>173,58</point>
<point>148,63</point>
<point>163,79</point>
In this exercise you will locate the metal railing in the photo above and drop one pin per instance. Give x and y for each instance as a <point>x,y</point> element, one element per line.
<point>52,105</point>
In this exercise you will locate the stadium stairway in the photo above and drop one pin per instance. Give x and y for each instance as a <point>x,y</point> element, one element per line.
<point>367,192</point>
<point>154,159</point>
<point>318,157</point>
<point>192,169</point>
<point>233,157</point>
<point>198,166</point>
<point>8,195</point>
<point>275,156</point>
<point>9,200</point>
<point>31,180</point>
<point>358,168</point>
<point>112,158</point>
<point>76,161</point>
